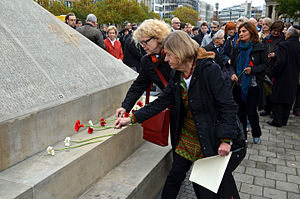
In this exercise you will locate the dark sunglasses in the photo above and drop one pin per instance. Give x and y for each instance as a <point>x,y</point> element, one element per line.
<point>146,41</point>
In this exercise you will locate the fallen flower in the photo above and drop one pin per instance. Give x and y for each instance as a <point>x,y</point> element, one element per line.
<point>67,141</point>
<point>91,129</point>
<point>91,123</point>
<point>78,125</point>
<point>102,122</point>
<point>140,104</point>
<point>50,150</point>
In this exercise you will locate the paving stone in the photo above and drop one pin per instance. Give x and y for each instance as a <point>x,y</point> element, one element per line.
<point>248,163</point>
<point>240,169</point>
<point>293,196</point>
<point>252,151</point>
<point>264,182</point>
<point>276,161</point>
<point>284,169</point>
<point>258,197</point>
<point>294,179</point>
<point>243,178</point>
<point>266,166</point>
<point>251,189</point>
<point>276,149</point>
<point>258,158</point>
<point>274,194</point>
<point>267,154</point>
<point>255,172</point>
<point>275,176</point>
<point>244,196</point>
<point>286,186</point>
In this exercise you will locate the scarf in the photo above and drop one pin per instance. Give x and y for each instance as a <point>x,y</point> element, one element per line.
<point>242,63</point>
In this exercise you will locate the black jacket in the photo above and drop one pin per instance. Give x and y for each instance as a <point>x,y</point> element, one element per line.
<point>208,132</point>
<point>286,71</point>
<point>198,38</point>
<point>259,57</point>
<point>219,56</point>
<point>146,76</point>
<point>133,53</point>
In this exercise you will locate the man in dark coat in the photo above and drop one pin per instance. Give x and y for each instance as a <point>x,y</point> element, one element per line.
<point>90,31</point>
<point>203,31</point>
<point>286,76</point>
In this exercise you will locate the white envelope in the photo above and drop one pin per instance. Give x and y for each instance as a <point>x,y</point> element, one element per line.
<point>209,172</point>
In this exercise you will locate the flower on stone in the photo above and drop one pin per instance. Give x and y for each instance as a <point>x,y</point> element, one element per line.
<point>91,129</point>
<point>102,122</point>
<point>140,104</point>
<point>126,114</point>
<point>78,125</point>
<point>67,141</point>
<point>91,123</point>
<point>50,150</point>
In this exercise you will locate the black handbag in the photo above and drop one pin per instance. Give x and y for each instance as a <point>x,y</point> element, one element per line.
<point>239,144</point>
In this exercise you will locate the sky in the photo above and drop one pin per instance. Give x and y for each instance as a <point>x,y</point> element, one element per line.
<point>229,3</point>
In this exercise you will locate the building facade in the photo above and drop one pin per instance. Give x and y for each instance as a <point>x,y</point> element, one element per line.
<point>237,11</point>
<point>271,9</point>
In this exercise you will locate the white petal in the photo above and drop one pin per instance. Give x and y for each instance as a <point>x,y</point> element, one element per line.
<point>49,149</point>
<point>67,141</point>
<point>91,123</point>
<point>52,152</point>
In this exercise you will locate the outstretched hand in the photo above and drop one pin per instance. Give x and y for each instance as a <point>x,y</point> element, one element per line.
<point>224,149</point>
<point>120,112</point>
<point>120,122</point>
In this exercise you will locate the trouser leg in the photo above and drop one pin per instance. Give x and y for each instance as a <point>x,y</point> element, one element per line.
<point>176,176</point>
<point>242,111</point>
<point>252,103</point>
<point>286,113</point>
<point>277,110</point>
<point>297,102</point>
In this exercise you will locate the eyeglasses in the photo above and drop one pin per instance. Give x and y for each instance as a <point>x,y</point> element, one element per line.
<point>146,41</point>
<point>176,22</point>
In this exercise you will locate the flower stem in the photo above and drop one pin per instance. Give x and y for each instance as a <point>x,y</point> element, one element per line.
<point>81,141</point>
<point>238,78</point>
<point>73,147</point>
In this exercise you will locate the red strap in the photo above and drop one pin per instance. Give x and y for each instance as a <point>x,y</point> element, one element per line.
<point>161,78</point>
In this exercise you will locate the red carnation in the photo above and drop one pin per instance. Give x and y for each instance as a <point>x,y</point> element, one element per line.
<point>78,125</point>
<point>269,41</point>
<point>251,63</point>
<point>90,131</point>
<point>140,104</point>
<point>102,122</point>
<point>126,114</point>
<point>132,111</point>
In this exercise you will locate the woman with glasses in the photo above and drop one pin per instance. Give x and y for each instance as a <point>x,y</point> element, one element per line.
<point>150,35</point>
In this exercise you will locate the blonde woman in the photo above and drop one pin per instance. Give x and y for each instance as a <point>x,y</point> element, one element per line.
<point>113,46</point>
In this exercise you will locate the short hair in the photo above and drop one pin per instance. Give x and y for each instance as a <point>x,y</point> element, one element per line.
<point>174,19</point>
<point>182,25</point>
<point>181,44</point>
<point>152,28</point>
<point>204,23</point>
<point>292,32</point>
<point>77,20</point>
<point>229,26</point>
<point>268,21</point>
<point>68,15</point>
<point>216,23</point>
<point>195,28</point>
<point>277,25</point>
<point>252,30</point>
<point>218,34</point>
<point>242,19</point>
<point>112,28</point>
<point>91,18</point>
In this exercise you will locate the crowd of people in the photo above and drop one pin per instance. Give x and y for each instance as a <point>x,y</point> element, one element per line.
<point>217,75</point>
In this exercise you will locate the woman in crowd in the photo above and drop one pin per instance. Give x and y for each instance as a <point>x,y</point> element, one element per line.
<point>230,34</point>
<point>113,46</point>
<point>150,35</point>
<point>197,90</point>
<point>249,60</point>
<point>266,28</point>
<point>271,42</point>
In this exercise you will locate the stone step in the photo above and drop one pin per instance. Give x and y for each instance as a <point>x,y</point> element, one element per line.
<point>69,174</point>
<point>142,175</point>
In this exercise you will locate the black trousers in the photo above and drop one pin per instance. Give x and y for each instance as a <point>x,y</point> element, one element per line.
<point>281,113</point>
<point>297,102</point>
<point>248,108</point>
<point>177,175</point>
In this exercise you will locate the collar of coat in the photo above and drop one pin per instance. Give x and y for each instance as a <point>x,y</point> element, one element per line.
<point>203,54</point>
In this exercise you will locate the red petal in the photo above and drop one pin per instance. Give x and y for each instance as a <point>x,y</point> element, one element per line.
<point>90,131</point>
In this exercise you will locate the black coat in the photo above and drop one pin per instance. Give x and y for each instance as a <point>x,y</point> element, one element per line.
<point>198,38</point>
<point>259,57</point>
<point>146,76</point>
<point>208,132</point>
<point>133,53</point>
<point>286,71</point>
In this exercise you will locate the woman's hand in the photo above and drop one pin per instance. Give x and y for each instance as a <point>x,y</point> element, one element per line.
<point>224,149</point>
<point>122,122</point>
<point>248,70</point>
<point>234,78</point>
<point>120,112</point>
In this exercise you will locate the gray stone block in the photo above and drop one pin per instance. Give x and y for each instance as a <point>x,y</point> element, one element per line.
<point>274,194</point>
<point>258,158</point>
<point>276,161</point>
<point>294,179</point>
<point>276,176</point>
<point>267,154</point>
<point>264,182</point>
<point>284,169</point>
<point>293,196</point>
<point>255,172</point>
<point>243,178</point>
<point>251,189</point>
<point>286,186</point>
<point>266,166</point>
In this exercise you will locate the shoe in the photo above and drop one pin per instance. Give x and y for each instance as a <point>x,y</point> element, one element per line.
<point>297,114</point>
<point>256,140</point>
<point>264,113</point>
<point>273,124</point>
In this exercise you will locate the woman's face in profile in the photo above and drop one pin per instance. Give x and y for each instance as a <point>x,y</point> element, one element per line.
<point>172,59</point>
<point>150,45</point>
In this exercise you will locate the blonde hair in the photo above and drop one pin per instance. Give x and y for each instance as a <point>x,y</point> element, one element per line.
<point>112,28</point>
<point>181,44</point>
<point>268,21</point>
<point>152,28</point>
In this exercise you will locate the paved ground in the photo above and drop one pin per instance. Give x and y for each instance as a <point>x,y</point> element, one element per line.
<point>271,169</point>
